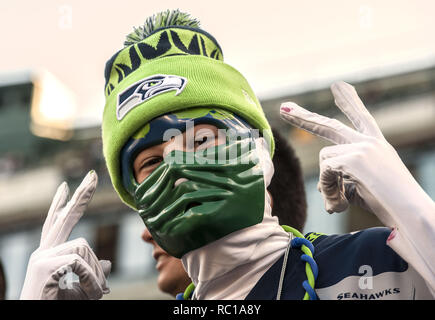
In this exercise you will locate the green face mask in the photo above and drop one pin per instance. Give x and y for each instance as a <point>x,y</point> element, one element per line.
<point>221,191</point>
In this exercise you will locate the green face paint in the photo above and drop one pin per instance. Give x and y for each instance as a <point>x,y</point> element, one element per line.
<point>221,191</point>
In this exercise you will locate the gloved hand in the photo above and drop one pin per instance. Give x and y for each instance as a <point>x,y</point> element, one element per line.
<point>363,168</point>
<point>55,260</point>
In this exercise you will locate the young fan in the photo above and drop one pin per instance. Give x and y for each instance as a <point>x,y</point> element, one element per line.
<point>187,145</point>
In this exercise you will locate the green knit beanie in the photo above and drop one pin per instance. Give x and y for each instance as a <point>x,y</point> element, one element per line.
<point>167,65</point>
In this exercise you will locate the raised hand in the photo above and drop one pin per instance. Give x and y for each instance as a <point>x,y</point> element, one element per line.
<point>357,156</point>
<point>364,168</point>
<point>56,257</point>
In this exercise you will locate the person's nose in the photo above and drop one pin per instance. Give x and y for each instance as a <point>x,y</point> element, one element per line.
<point>146,236</point>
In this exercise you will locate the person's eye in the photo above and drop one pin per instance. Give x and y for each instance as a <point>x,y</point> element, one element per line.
<point>151,162</point>
<point>204,141</point>
<point>200,140</point>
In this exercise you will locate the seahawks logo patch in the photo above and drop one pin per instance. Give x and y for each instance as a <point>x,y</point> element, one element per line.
<point>146,89</point>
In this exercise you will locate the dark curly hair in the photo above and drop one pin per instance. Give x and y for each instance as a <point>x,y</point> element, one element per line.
<point>287,185</point>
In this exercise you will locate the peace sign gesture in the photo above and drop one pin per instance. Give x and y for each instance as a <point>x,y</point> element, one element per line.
<point>363,168</point>
<point>337,179</point>
<point>56,258</point>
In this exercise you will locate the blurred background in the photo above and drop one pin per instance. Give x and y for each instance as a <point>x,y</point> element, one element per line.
<point>51,100</point>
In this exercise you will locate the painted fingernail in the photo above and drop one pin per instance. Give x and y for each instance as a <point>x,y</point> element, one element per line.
<point>392,234</point>
<point>92,175</point>
<point>286,109</point>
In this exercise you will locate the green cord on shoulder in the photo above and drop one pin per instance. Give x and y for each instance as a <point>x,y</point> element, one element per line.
<point>307,251</point>
<point>188,291</point>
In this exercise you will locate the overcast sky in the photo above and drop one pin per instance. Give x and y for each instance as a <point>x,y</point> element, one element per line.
<point>277,45</point>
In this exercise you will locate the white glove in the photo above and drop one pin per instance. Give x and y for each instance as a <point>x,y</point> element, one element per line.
<point>55,260</point>
<point>363,168</point>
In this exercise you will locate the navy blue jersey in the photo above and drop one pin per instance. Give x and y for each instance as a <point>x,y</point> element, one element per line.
<point>359,265</point>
